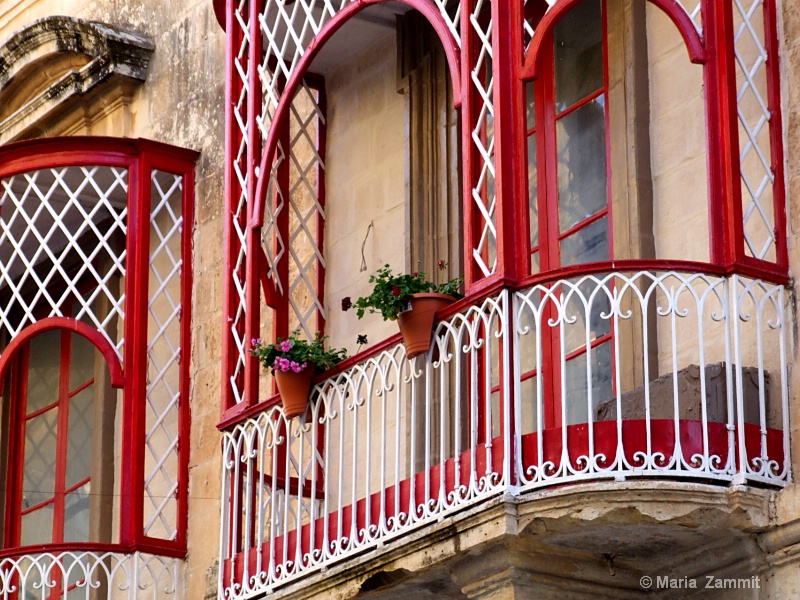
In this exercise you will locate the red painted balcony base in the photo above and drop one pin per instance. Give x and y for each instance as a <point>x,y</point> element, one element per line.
<point>634,440</point>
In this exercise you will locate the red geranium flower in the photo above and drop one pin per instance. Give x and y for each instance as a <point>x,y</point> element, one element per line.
<point>347,303</point>
<point>396,290</point>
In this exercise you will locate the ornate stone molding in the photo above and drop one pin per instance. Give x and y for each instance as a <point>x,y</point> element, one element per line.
<point>59,63</point>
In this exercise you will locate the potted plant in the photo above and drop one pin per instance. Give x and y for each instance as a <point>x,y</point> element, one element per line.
<point>412,300</point>
<point>294,362</point>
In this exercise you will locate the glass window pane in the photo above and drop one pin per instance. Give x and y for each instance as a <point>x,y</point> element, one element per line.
<point>38,482</point>
<point>43,370</point>
<point>37,526</point>
<point>577,393</point>
<point>582,177</point>
<point>81,367</point>
<point>578,39</point>
<point>575,333</point>
<point>527,401</point>
<point>79,438</point>
<point>533,192</point>
<point>76,515</point>
<point>530,99</point>
<point>586,245</point>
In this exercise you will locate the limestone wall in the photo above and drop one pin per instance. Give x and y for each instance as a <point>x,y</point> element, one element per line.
<point>365,185</point>
<point>181,103</point>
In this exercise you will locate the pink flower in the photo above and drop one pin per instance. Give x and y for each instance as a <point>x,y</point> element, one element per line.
<point>256,342</point>
<point>286,345</point>
<point>282,365</point>
<point>295,367</point>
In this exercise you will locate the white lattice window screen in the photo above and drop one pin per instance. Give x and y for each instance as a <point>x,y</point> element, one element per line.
<point>241,29</point>
<point>483,193</point>
<point>758,178</point>
<point>62,237</point>
<point>163,356</point>
<point>271,236</point>
<point>306,214</point>
<point>286,31</point>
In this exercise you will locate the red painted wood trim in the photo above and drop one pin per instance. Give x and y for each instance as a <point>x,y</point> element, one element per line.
<point>694,43</point>
<point>30,155</point>
<point>252,313</point>
<point>230,241</point>
<point>137,253</point>
<point>508,136</point>
<point>92,335</point>
<point>19,551</point>
<point>426,8</point>
<point>221,13</point>
<point>467,148</point>
<point>16,440</point>
<point>510,180</point>
<point>726,230</point>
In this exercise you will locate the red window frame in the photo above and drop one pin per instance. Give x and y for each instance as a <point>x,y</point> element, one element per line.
<point>714,49</point>
<point>140,158</point>
<point>550,235</point>
<point>19,419</point>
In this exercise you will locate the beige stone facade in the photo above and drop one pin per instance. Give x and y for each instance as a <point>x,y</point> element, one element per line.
<point>587,539</point>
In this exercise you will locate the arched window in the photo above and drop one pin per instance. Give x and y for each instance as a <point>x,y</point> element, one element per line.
<point>64,436</point>
<point>567,144</point>
<point>95,276</point>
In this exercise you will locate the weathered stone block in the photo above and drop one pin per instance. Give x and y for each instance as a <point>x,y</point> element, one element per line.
<point>689,396</point>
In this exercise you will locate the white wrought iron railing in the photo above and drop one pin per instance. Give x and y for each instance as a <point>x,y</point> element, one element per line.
<point>602,376</point>
<point>89,574</point>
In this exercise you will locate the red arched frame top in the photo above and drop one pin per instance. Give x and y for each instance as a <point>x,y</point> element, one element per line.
<point>427,9</point>
<point>694,43</point>
<point>71,325</point>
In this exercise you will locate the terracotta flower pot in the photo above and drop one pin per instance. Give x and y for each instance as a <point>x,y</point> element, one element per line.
<point>293,388</point>
<point>416,323</point>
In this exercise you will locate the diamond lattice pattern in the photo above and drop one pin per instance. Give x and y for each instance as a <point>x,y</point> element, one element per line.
<point>483,193</point>
<point>306,214</point>
<point>240,189</point>
<point>62,237</point>
<point>286,31</point>
<point>163,356</point>
<point>755,117</point>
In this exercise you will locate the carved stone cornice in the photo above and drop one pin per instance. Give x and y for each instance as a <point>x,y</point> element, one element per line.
<point>56,63</point>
